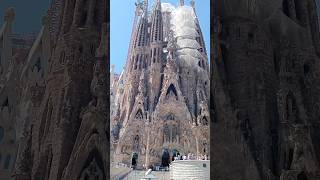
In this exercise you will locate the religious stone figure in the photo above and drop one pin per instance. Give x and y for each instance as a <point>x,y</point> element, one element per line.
<point>174,133</point>
<point>143,150</point>
<point>136,143</point>
<point>166,133</point>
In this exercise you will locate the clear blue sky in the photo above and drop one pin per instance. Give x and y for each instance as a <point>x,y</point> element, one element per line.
<point>28,14</point>
<point>121,19</point>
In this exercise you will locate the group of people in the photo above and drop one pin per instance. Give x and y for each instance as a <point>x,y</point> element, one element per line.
<point>191,156</point>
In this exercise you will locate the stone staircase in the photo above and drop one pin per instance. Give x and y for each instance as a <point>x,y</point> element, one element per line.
<point>190,170</point>
<point>137,175</point>
<point>119,171</point>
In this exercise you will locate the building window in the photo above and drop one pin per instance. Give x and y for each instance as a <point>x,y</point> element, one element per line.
<point>62,57</point>
<point>93,50</point>
<point>285,8</point>
<point>170,117</point>
<point>7,162</point>
<point>5,103</point>
<point>139,115</point>
<point>136,143</point>
<point>1,134</point>
<point>306,69</point>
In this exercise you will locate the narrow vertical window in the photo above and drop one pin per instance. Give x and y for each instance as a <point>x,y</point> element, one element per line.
<point>7,162</point>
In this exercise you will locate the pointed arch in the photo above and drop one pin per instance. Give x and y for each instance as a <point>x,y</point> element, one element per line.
<point>170,117</point>
<point>165,157</point>
<point>139,114</point>
<point>37,65</point>
<point>93,167</point>
<point>205,121</point>
<point>302,176</point>
<point>172,91</point>
<point>134,159</point>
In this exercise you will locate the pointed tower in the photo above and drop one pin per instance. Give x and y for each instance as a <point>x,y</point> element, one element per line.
<point>138,12</point>
<point>5,41</point>
<point>156,60</point>
<point>136,63</point>
<point>140,42</point>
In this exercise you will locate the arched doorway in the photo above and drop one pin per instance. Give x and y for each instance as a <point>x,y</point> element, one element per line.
<point>165,158</point>
<point>302,176</point>
<point>134,160</point>
<point>175,153</point>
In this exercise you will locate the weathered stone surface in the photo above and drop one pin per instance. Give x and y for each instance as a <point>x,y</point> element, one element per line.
<point>265,90</point>
<point>54,98</point>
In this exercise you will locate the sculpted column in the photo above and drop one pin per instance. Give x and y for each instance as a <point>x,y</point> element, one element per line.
<point>195,132</point>
<point>148,146</point>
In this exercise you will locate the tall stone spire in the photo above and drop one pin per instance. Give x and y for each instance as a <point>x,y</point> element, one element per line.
<point>142,28</point>
<point>156,53</point>
<point>193,4</point>
<point>156,24</point>
<point>5,41</point>
<point>145,6</point>
<point>137,56</point>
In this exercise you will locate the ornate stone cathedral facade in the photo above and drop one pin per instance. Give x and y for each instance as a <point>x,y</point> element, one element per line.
<point>161,107</point>
<point>53,96</point>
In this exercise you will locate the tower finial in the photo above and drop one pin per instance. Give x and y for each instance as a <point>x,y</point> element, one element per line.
<point>45,20</point>
<point>181,2</point>
<point>9,14</point>
<point>146,6</point>
<point>193,3</point>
